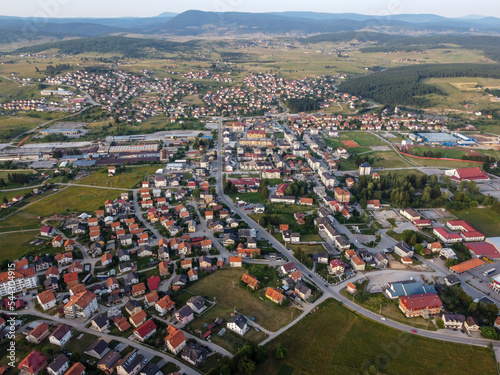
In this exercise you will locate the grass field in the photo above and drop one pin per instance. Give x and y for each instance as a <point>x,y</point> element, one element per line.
<point>11,127</point>
<point>11,194</point>
<point>388,159</point>
<point>16,245</point>
<point>463,89</point>
<point>441,163</point>
<point>72,199</point>
<point>248,197</point>
<point>483,219</point>
<point>335,340</point>
<point>224,286</point>
<point>127,179</point>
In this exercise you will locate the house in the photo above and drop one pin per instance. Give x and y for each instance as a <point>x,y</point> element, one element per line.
<point>138,289</point>
<point>381,260</point>
<point>194,353</point>
<point>206,245</point>
<point>150,299</point>
<point>122,323</point>
<point>420,305</point>
<point>100,322</point>
<point>47,300</point>
<point>342,196</point>
<point>471,325</point>
<point>446,236</point>
<point>192,275</point>
<point>112,283</point>
<point>59,365</point>
<point>77,369</point>
<point>303,291</point>
<point>33,363</point>
<point>184,314</point>
<point>164,305</point>
<point>106,259</point>
<point>151,368</point>
<point>175,340</point>
<point>81,305</point>
<point>145,330</point>
<point>163,268</point>
<point>97,349</point>
<point>37,335</point>
<point>132,307</point>
<point>403,250</point>
<point>358,264</point>
<point>131,364</point>
<point>467,174</point>
<point>373,204</point>
<point>287,268</point>
<point>205,262</point>
<point>275,295</point>
<point>144,251</point>
<point>235,261</point>
<point>238,324</point>
<point>453,321</point>
<point>336,267</point>
<point>109,361</point>
<point>250,280</point>
<point>197,304</point>
<point>351,288</point>
<point>451,280</point>
<point>47,231</point>
<point>61,335</point>
<point>138,318</point>
<point>179,281</point>
<point>154,282</point>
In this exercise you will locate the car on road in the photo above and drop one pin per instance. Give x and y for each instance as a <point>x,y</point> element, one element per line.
<point>382,318</point>
<point>413,331</point>
<point>310,275</point>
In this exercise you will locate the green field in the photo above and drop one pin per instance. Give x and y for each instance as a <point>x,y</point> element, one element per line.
<point>463,89</point>
<point>11,127</point>
<point>11,194</point>
<point>72,199</point>
<point>483,219</point>
<point>224,286</point>
<point>441,163</point>
<point>388,159</point>
<point>16,245</point>
<point>335,340</point>
<point>127,179</point>
<point>248,197</point>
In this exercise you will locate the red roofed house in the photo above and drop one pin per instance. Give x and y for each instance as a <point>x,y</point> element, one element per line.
<point>447,237</point>
<point>33,363</point>
<point>424,304</point>
<point>175,341</point>
<point>275,296</point>
<point>235,261</point>
<point>145,330</point>
<point>153,282</point>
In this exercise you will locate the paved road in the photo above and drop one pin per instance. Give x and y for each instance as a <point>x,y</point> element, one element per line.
<point>329,290</point>
<point>80,326</point>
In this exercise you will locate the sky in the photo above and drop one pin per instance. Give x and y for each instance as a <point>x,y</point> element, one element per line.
<point>147,8</point>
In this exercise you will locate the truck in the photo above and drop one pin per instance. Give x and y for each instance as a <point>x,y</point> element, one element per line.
<point>487,272</point>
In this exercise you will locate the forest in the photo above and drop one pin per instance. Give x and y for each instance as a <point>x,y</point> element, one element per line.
<point>403,86</point>
<point>128,47</point>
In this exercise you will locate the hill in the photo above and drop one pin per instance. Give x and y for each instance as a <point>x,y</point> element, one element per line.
<point>128,47</point>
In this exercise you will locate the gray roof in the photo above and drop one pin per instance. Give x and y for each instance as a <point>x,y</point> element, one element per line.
<point>185,311</point>
<point>99,346</point>
<point>239,320</point>
<point>61,331</point>
<point>58,362</point>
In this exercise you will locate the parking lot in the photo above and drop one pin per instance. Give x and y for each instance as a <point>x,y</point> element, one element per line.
<point>384,216</point>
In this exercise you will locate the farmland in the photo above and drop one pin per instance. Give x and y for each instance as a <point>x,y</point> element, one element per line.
<point>347,343</point>
<point>224,287</point>
<point>127,179</point>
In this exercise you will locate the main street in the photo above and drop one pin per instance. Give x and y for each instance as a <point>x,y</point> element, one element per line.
<point>333,291</point>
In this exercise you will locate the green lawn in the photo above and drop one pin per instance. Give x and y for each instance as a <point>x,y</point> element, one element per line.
<point>128,179</point>
<point>483,219</point>
<point>73,199</point>
<point>16,245</point>
<point>224,285</point>
<point>388,159</point>
<point>248,197</point>
<point>335,340</point>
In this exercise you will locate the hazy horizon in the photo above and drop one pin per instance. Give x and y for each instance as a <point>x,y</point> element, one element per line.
<point>127,8</point>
